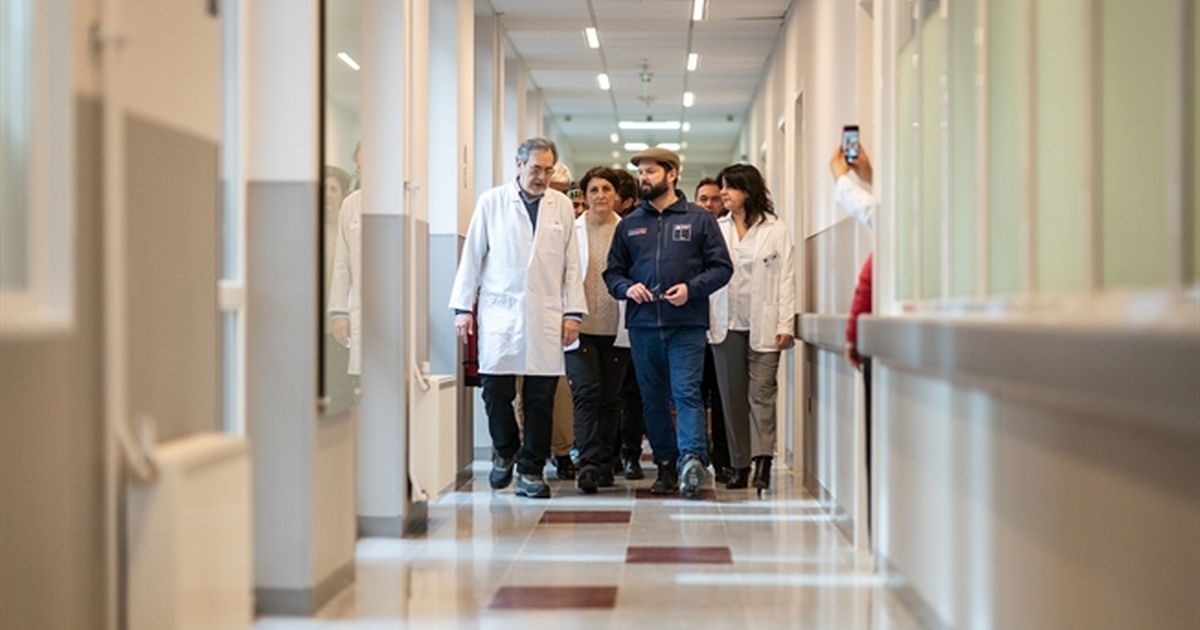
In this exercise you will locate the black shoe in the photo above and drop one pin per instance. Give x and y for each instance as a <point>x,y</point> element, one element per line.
<point>762,472</point>
<point>589,481</point>
<point>721,473</point>
<point>667,481</point>
<point>606,479</point>
<point>564,468</point>
<point>633,470</point>
<point>737,478</point>
<point>694,476</point>
<point>502,472</point>
<point>532,486</point>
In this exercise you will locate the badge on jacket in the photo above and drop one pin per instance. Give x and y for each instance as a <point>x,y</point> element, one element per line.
<point>681,232</point>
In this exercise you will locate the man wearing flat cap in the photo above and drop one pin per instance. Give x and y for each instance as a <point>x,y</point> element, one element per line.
<point>667,256</point>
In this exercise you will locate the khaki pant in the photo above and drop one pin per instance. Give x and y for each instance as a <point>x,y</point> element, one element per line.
<point>563,434</point>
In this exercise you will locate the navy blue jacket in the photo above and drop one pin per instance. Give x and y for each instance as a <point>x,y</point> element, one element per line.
<point>660,250</point>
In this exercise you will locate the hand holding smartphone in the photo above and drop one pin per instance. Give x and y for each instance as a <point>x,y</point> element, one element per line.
<point>850,143</point>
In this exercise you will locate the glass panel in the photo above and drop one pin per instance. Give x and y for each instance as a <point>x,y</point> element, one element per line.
<point>933,73</point>
<point>1134,101</point>
<point>341,207</point>
<point>1062,96</point>
<point>1007,96</point>
<point>1195,209</point>
<point>963,161</point>
<point>16,59</point>
<point>906,145</point>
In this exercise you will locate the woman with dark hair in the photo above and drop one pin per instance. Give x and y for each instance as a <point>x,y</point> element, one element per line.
<point>751,321</point>
<point>596,363</point>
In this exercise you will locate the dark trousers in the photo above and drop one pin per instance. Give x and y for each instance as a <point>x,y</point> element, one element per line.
<point>718,445</point>
<point>537,401</point>
<point>633,425</point>
<point>595,371</point>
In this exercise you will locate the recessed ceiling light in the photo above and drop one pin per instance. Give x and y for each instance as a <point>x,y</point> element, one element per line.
<point>636,146</point>
<point>670,146</point>
<point>698,7</point>
<point>616,165</point>
<point>683,145</point>
<point>689,99</point>
<point>649,125</point>
<point>616,154</point>
<point>602,80</point>
<point>615,137</point>
<point>693,61</point>
<point>349,61</point>
<point>687,126</point>
<point>593,38</point>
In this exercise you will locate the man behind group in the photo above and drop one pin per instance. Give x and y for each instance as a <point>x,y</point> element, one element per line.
<point>667,257</point>
<point>521,255</point>
<point>708,196</point>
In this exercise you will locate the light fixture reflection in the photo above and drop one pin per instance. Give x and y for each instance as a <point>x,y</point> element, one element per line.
<point>689,99</point>
<point>693,61</point>
<point>698,7</point>
<point>593,38</point>
<point>602,80</point>
<point>349,61</point>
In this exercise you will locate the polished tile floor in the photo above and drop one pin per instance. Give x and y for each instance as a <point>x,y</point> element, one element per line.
<point>617,559</point>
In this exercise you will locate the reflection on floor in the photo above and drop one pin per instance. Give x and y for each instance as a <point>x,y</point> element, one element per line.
<point>614,560</point>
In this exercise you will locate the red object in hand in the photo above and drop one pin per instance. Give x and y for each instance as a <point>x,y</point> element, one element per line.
<point>862,300</point>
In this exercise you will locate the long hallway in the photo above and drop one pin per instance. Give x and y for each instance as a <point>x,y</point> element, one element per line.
<point>619,559</point>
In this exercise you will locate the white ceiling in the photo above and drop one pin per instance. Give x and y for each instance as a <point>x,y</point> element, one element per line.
<point>734,41</point>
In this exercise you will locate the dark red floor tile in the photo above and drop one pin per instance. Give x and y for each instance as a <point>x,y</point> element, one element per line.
<point>554,597</point>
<point>706,494</point>
<point>678,555</point>
<point>586,516</point>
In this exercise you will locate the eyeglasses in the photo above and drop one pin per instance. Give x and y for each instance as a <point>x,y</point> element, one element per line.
<point>539,171</point>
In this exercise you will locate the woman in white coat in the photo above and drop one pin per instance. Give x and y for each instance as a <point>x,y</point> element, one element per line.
<point>751,321</point>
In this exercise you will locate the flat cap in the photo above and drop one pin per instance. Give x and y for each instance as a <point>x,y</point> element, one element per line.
<point>658,154</point>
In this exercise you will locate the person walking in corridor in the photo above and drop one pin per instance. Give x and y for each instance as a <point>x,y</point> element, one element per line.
<point>666,258</point>
<point>521,256</point>
<point>752,321</point>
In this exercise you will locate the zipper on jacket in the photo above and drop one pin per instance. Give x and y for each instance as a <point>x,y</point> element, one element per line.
<point>658,247</point>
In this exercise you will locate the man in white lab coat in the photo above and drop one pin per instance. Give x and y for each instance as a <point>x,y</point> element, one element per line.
<point>521,256</point>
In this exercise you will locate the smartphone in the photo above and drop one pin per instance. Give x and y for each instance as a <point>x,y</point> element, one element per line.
<point>850,142</point>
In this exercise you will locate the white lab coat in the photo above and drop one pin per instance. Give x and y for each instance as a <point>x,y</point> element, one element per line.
<point>773,286</point>
<point>526,281</point>
<point>857,201</point>
<point>344,297</point>
<point>581,238</point>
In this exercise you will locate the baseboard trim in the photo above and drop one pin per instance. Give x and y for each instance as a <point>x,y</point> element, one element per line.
<point>904,592</point>
<point>303,602</point>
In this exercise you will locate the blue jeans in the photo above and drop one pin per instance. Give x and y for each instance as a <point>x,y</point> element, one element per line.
<point>672,360</point>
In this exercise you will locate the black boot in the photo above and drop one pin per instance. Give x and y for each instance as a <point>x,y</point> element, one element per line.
<point>737,478</point>
<point>668,479</point>
<point>762,472</point>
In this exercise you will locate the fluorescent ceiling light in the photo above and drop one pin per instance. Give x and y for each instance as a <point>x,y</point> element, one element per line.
<point>602,80</point>
<point>636,146</point>
<point>698,7</point>
<point>649,125</point>
<point>615,137</point>
<point>349,61</point>
<point>689,99</point>
<point>687,126</point>
<point>670,146</point>
<point>693,61</point>
<point>593,38</point>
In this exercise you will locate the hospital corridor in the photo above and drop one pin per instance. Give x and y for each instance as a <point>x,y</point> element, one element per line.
<point>532,314</point>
